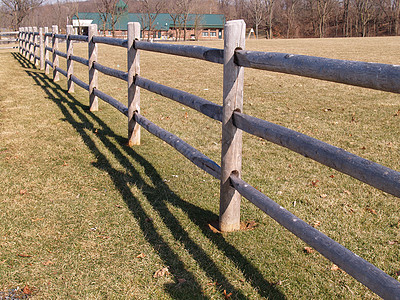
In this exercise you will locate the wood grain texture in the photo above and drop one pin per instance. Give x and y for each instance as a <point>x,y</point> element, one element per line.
<point>56,75</point>
<point>93,76</point>
<point>231,145</point>
<point>133,60</point>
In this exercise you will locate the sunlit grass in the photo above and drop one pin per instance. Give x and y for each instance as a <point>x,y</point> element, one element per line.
<point>83,216</point>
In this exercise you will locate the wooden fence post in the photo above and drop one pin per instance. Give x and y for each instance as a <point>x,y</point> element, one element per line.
<point>46,52</point>
<point>56,75</point>
<point>133,90</point>
<point>93,82</point>
<point>26,46</point>
<point>25,41</point>
<point>20,39</point>
<point>35,40</point>
<point>29,43</point>
<point>231,154</point>
<point>31,47</point>
<point>70,63</point>
<point>41,48</point>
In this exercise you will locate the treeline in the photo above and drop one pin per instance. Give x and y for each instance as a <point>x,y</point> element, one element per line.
<point>268,18</point>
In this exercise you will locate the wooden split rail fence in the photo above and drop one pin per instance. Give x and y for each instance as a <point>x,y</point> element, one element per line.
<point>10,41</point>
<point>234,58</point>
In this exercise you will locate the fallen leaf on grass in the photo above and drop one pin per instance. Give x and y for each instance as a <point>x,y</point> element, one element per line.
<point>104,237</point>
<point>397,113</point>
<point>308,250</point>
<point>316,223</point>
<point>227,296</point>
<point>118,206</point>
<point>248,225</point>
<point>214,226</point>
<point>162,272</point>
<point>336,268</point>
<point>279,282</point>
<point>24,255</point>
<point>141,255</point>
<point>26,290</point>
<point>37,219</point>
<point>314,182</point>
<point>371,210</point>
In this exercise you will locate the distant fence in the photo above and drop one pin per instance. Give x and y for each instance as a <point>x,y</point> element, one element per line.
<point>234,121</point>
<point>8,39</point>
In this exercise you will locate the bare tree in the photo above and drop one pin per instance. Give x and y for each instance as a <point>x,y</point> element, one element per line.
<point>269,7</point>
<point>256,9</point>
<point>364,9</point>
<point>391,9</point>
<point>110,12</point>
<point>150,9</point>
<point>291,6</point>
<point>19,9</point>
<point>321,10</point>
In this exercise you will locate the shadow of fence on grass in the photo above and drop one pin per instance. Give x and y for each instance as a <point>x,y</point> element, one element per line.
<point>79,116</point>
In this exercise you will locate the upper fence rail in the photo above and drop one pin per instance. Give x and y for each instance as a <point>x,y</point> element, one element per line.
<point>370,75</point>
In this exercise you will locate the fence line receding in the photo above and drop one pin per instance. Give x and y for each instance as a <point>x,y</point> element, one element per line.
<point>234,58</point>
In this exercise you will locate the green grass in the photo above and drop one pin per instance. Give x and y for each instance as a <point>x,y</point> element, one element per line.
<point>78,206</point>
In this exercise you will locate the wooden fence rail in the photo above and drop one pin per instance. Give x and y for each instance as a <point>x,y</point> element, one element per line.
<point>11,38</point>
<point>234,121</point>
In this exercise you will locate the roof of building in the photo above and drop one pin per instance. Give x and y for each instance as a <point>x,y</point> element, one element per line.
<point>161,21</point>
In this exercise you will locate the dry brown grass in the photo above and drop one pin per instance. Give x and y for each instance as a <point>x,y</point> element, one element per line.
<point>98,219</point>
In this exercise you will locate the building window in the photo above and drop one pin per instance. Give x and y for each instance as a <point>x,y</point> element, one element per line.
<point>205,33</point>
<point>213,33</point>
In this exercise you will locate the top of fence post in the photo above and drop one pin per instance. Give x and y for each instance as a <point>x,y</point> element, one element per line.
<point>231,148</point>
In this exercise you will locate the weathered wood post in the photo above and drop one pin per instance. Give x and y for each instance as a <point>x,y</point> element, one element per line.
<point>35,40</point>
<point>93,82</point>
<point>20,39</point>
<point>46,52</point>
<point>31,44</point>
<point>41,48</point>
<point>26,43</point>
<point>70,63</point>
<point>54,43</point>
<point>231,154</point>
<point>133,90</point>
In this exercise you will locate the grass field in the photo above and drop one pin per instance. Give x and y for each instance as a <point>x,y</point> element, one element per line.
<point>83,216</point>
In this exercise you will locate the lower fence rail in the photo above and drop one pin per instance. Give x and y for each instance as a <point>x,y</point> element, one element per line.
<point>372,277</point>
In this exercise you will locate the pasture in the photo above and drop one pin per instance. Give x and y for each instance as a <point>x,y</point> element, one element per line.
<point>83,216</point>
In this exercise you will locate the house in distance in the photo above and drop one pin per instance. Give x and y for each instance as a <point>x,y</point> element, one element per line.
<point>161,26</point>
